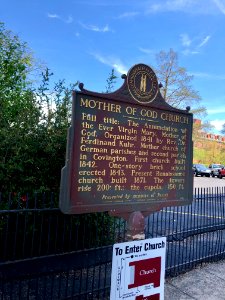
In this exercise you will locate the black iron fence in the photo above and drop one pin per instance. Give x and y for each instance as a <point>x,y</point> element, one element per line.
<point>47,255</point>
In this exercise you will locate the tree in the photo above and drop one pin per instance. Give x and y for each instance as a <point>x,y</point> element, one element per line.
<point>111,80</point>
<point>33,121</point>
<point>56,104</point>
<point>177,89</point>
<point>18,110</point>
<point>223,129</point>
<point>199,128</point>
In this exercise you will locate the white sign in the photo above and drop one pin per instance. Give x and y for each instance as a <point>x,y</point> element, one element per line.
<point>138,270</point>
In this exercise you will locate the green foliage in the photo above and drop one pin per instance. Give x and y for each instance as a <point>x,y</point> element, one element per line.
<point>18,111</point>
<point>15,61</point>
<point>33,121</point>
<point>36,220</point>
<point>200,156</point>
<point>33,132</point>
<point>209,152</point>
<point>199,128</point>
<point>111,80</point>
<point>56,108</point>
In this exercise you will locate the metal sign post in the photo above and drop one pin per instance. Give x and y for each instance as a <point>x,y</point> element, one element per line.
<point>135,227</point>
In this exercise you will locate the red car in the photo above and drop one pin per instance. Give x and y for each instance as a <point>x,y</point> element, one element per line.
<point>221,173</point>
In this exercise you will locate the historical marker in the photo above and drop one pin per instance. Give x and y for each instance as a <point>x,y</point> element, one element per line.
<point>127,151</point>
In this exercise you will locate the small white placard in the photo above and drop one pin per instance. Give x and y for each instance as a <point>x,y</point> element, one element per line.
<point>138,270</point>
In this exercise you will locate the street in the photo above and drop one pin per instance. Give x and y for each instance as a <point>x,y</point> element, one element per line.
<point>208,182</point>
<point>193,231</point>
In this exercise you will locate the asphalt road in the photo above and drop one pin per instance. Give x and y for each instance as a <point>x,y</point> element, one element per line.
<point>193,231</point>
<point>208,182</point>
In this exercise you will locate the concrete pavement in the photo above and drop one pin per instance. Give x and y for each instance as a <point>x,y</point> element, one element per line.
<point>206,282</point>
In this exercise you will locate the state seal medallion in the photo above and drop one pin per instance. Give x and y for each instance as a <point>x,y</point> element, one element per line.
<point>142,83</point>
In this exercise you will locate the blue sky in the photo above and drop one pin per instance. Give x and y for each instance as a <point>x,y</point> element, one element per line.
<point>84,40</point>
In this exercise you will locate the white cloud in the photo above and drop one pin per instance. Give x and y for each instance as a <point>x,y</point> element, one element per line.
<point>119,67</point>
<point>179,4</point>
<point>192,46</point>
<point>112,62</point>
<point>128,15</point>
<point>190,52</point>
<point>146,51</point>
<point>185,40</point>
<point>218,110</point>
<point>208,76</point>
<point>95,28</point>
<point>218,124</point>
<point>205,41</point>
<point>221,5</point>
<point>53,16</point>
<point>68,20</point>
<point>172,5</point>
<point>155,8</point>
<point>186,6</point>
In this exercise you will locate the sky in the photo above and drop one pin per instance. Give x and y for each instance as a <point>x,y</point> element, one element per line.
<point>85,39</point>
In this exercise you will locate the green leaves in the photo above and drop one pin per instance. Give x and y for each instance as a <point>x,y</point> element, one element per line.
<point>111,80</point>
<point>33,120</point>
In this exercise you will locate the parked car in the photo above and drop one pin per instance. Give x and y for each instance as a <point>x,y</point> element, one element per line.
<point>215,169</point>
<point>201,170</point>
<point>221,173</point>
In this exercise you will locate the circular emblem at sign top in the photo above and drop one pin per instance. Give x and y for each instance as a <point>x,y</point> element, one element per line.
<point>142,83</point>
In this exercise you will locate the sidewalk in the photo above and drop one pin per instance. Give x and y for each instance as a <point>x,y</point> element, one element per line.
<point>203,283</point>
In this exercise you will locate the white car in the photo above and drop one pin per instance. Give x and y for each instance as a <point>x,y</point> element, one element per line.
<point>215,169</point>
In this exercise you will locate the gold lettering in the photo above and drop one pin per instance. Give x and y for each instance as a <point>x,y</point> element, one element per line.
<point>174,118</point>
<point>100,105</point>
<point>140,151</point>
<point>149,113</point>
<point>92,173</point>
<point>90,180</point>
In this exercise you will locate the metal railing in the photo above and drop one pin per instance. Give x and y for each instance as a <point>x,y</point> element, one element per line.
<point>45,254</point>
